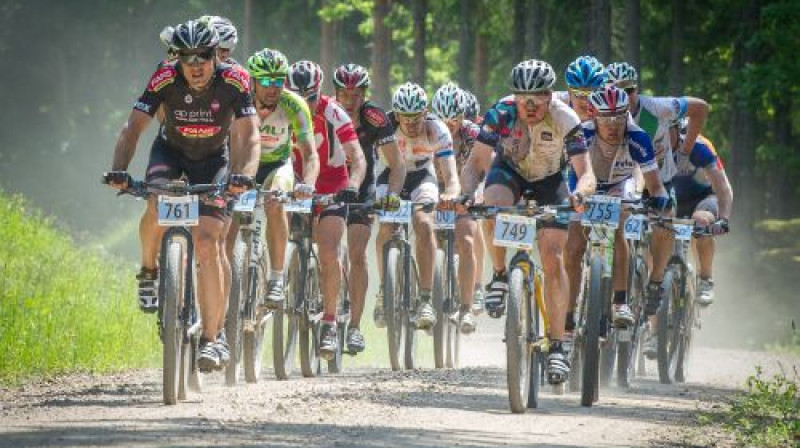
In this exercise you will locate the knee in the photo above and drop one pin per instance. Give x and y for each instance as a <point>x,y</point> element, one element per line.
<point>328,252</point>
<point>207,248</point>
<point>703,218</point>
<point>552,261</point>
<point>358,257</point>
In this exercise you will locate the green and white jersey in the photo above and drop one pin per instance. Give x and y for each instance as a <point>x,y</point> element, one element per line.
<point>654,116</point>
<point>291,116</point>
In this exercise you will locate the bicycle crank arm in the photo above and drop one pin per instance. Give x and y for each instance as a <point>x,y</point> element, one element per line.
<point>195,329</point>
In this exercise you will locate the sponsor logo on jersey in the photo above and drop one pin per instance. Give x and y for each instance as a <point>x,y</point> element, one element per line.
<point>247,111</point>
<point>375,117</point>
<point>194,115</point>
<point>188,98</point>
<point>214,106</point>
<point>162,77</point>
<point>547,136</point>
<point>142,107</point>
<point>198,131</point>
<point>420,150</point>
<point>237,78</point>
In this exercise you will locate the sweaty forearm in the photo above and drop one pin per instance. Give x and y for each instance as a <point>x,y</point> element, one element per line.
<point>397,177</point>
<point>310,163</point>
<point>124,149</point>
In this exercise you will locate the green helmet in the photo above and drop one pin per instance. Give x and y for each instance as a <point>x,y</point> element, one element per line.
<point>267,62</point>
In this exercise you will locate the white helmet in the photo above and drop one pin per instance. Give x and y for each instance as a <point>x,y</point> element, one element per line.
<point>166,37</point>
<point>228,36</point>
<point>532,76</point>
<point>609,99</point>
<point>449,102</point>
<point>409,98</point>
<point>622,74</point>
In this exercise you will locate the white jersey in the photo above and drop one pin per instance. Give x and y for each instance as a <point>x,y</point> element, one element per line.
<point>654,116</point>
<point>419,152</point>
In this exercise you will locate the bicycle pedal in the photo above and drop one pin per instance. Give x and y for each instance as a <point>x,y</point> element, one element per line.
<point>560,389</point>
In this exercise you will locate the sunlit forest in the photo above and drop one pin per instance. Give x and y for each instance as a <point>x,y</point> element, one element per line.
<point>72,70</point>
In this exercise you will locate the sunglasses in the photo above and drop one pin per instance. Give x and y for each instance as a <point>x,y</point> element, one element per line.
<point>196,57</point>
<point>270,81</point>
<point>612,119</point>
<point>536,98</point>
<point>409,117</point>
<point>580,94</point>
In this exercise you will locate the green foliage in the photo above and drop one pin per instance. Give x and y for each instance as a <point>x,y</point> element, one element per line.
<point>768,415</point>
<point>64,308</point>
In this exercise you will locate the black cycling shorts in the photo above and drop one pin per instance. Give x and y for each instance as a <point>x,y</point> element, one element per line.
<point>551,190</point>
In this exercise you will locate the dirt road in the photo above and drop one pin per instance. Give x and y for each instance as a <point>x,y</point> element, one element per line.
<point>367,408</point>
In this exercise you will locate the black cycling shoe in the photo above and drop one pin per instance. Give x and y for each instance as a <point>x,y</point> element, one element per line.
<point>495,299</point>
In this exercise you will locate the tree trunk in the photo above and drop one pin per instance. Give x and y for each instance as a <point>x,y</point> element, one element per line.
<point>633,33</point>
<point>248,11</point>
<point>600,24</point>
<point>676,52</point>
<point>327,57</point>
<point>481,66</point>
<point>518,49</point>
<point>535,32</point>
<point>381,53</point>
<point>781,197</point>
<point>420,12</point>
<point>465,46</point>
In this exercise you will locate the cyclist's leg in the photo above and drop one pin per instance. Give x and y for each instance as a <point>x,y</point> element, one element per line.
<point>705,214</point>
<point>210,277</point>
<point>502,189</point>
<point>623,316</point>
<point>358,234</point>
<point>662,243</point>
<point>466,244</point>
<point>573,263</point>
<point>328,236</point>
<point>480,254</point>
<point>278,176</point>
<point>425,248</point>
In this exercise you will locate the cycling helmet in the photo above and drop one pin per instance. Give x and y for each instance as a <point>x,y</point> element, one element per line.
<point>449,102</point>
<point>622,74</point>
<point>194,34</point>
<point>304,77</point>
<point>227,32</point>
<point>267,62</point>
<point>532,76</point>
<point>409,98</point>
<point>586,72</point>
<point>166,37</point>
<point>350,76</point>
<point>472,108</point>
<point>609,99</point>
<point>683,128</point>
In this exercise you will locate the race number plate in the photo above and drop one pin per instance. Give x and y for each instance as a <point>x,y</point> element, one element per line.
<point>445,219</point>
<point>400,216</point>
<point>303,206</point>
<point>603,210</point>
<point>178,210</point>
<point>683,232</point>
<point>246,201</point>
<point>514,231</point>
<point>633,227</point>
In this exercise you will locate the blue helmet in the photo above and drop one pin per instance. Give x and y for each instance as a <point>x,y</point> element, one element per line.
<point>586,72</point>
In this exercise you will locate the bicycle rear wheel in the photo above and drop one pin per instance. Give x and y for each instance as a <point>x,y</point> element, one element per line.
<point>518,353</point>
<point>253,346</point>
<point>686,328</point>
<point>171,294</point>
<point>310,323</point>
<point>236,301</point>
<point>392,303</point>
<point>442,313</point>
<point>410,347</point>
<point>669,321</point>
<point>286,321</point>
<point>594,321</point>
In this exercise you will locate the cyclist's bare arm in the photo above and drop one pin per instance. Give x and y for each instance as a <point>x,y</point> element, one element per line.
<point>310,161</point>
<point>652,181</point>
<point>476,167</point>
<point>397,166</point>
<point>449,170</point>
<point>128,138</point>
<point>697,111</point>
<point>245,145</point>
<point>587,183</point>
<point>722,188</point>
<point>358,166</point>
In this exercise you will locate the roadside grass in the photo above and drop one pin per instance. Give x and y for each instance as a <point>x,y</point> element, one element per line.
<point>64,308</point>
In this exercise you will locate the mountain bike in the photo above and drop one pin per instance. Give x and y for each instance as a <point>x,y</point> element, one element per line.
<point>179,321</point>
<point>526,323</point>
<point>446,297</point>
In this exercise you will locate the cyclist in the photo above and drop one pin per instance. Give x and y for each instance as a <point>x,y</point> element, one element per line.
<point>337,143</point>
<point>616,148</point>
<point>472,112</point>
<point>422,138</point>
<point>283,114</point>
<point>228,37</point>
<point>583,75</point>
<point>654,115</point>
<point>375,135</point>
<point>449,104</point>
<point>202,100</point>
<point>704,194</point>
<point>534,136</point>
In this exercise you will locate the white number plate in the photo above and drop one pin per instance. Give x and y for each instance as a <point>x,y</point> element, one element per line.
<point>401,216</point>
<point>683,232</point>
<point>633,227</point>
<point>601,209</point>
<point>178,210</point>
<point>303,206</point>
<point>514,231</point>
<point>445,219</point>
<point>246,201</point>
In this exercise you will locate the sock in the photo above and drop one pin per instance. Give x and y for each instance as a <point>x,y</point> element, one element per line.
<point>275,276</point>
<point>620,297</point>
<point>425,295</point>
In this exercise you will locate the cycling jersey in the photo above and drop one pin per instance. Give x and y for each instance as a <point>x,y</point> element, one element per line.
<point>691,182</point>
<point>463,142</point>
<point>197,123</point>
<point>654,115</point>
<point>533,152</point>
<point>615,164</point>
<point>290,117</point>
<point>419,152</point>
<point>332,129</point>
<point>374,130</point>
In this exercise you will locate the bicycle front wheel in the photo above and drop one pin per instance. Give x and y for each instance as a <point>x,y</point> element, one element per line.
<point>453,328</point>
<point>171,295</point>
<point>392,303</point>
<point>286,321</point>
<point>594,321</point>
<point>687,325</point>
<point>439,304</point>
<point>310,323</point>
<point>518,353</point>
<point>342,323</point>
<point>629,345</point>
<point>410,329</point>
<point>233,319</point>
<point>253,346</point>
<point>669,321</point>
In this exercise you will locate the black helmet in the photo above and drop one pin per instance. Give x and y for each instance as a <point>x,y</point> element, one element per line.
<point>194,34</point>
